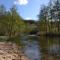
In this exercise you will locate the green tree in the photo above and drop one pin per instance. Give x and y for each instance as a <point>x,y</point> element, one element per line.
<point>50,16</point>
<point>43,19</point>
<point>2,19</point>
<point>15,22</point>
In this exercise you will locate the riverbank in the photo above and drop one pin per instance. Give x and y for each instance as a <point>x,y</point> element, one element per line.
<point>50,34</point>
<point>9,51</point>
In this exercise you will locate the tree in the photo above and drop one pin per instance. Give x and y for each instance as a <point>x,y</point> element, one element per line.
<point>50,16</point>
<point>2,19</point>
<point>56,11</point>
<point>14,22</point>
<point>43,19</point>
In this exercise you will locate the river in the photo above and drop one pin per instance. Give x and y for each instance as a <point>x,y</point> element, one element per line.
<point>42,48</point>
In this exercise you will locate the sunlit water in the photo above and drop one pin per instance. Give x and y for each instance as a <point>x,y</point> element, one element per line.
<point>33,47</point>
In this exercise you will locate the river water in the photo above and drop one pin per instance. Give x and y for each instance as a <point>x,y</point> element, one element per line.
<point>42,48</point>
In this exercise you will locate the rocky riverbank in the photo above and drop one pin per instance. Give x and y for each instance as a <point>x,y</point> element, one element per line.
<point>9,51</point>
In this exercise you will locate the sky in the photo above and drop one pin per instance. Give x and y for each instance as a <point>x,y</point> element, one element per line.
<point>28,9</point>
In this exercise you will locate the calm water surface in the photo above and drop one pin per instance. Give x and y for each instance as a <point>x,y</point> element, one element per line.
<point>39,48</point>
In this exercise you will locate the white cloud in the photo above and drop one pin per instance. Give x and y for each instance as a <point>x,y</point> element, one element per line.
<point>21,2</point>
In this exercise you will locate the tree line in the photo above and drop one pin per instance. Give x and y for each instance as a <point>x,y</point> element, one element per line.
<point>49,17</point>
<point>13,25</point>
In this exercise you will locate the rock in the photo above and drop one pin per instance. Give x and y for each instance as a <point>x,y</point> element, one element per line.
<point>9,51</point>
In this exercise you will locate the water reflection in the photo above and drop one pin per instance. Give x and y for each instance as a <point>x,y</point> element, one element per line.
<point>42,48</point>
<point>50,48</point>
<point>32,48</point>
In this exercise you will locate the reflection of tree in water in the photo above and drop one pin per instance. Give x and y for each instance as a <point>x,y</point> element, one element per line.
<point>43,43</point>
<point>50,48</point>
<point>31,48</point>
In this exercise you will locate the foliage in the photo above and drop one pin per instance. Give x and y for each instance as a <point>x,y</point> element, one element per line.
<point>11,24</point>
<point>30,25</point>
<point>50,16</point>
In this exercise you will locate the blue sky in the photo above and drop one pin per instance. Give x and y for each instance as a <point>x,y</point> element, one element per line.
<point>28,9</point>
